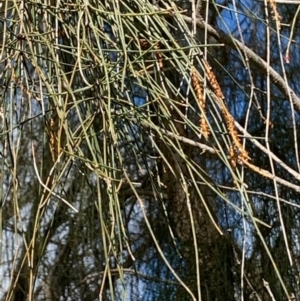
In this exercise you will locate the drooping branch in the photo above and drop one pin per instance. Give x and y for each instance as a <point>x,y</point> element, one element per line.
<point>230,41</point>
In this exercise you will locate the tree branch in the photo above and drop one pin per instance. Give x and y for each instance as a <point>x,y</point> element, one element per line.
<point>276,78</point>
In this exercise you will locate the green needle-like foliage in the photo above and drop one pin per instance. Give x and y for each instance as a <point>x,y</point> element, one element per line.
<point>149,150</point>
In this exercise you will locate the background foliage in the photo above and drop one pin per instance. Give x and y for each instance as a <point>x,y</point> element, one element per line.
<point>149,150</point>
